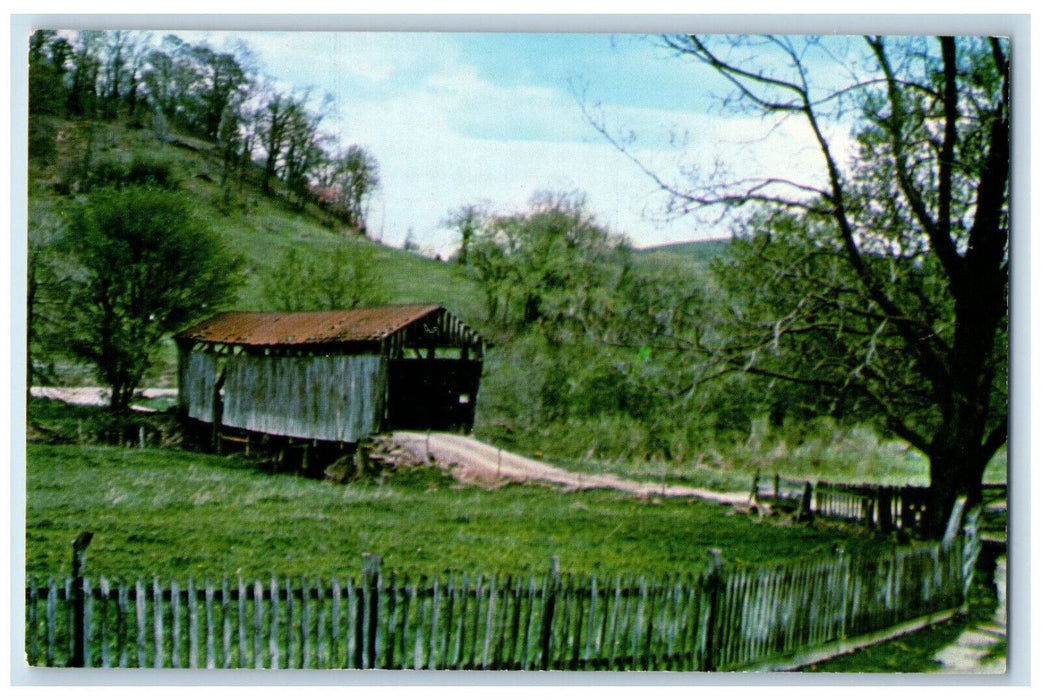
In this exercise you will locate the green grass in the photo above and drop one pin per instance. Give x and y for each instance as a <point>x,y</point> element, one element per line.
<point>854,455</point>
<point>177,513</point>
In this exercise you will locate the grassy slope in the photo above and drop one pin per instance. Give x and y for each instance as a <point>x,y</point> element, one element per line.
<point>177,513</point>
<point>261,228</point>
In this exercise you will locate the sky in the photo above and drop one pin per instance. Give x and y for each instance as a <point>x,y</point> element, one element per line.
<point>484,118</point>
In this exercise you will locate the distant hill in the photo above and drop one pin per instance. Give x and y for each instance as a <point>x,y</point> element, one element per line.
<point>694,256</point>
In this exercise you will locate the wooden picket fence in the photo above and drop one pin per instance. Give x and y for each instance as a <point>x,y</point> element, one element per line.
<point>729,617</point>
<point>886,508</point>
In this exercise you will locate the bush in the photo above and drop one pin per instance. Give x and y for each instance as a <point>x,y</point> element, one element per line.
<point>42,139</point>
<point>140,171</point>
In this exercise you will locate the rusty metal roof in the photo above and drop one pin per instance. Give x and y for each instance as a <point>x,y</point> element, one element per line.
<point>260,328</point>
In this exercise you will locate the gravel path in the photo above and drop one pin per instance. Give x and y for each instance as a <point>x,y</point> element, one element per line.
<point>478,462</point>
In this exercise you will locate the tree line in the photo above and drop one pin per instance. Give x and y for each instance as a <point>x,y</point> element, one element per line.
<point>177,87</point>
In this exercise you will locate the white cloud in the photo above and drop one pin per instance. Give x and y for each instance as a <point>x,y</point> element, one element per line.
<point>445,134</point>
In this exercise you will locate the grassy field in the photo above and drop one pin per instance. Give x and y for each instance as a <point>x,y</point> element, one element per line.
<point>851,456</point>
<point>178,513</point>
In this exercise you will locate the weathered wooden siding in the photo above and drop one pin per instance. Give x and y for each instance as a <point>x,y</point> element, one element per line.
<point>336,398</point>
<point>195,394</point>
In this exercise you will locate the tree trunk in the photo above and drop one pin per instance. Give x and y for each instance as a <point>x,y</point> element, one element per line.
<point>953,472</point>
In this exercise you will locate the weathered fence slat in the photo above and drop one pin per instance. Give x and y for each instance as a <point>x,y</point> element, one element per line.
<point>272,628</point>
<point>225,609</point>
<point>729,617</point>
<point>193,626</point>
<point>139,616</point>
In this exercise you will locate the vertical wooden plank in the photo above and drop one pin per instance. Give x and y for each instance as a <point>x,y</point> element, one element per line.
<point>51,615</point>
<point>122,620</point>
<point>70,616</point>
<point>334,621</point>
<point>447,638</point>
<point>272,630</point>
<point>193,626</point>
<point>489,619</point>
<point>590,643</point>
<point>386,659</point>
<point>501,631</point>
<point>103,632</point>
<point>373,581</point>
<point>225,614</point>
<point>306,652</point>
<point>290,630</point>
<point>637,626</point>
<point>407,597</point>
<point>579,625</point>
<point>549,603</point>
<point>243,654</point>
<point>322,655</point>
<point>88,622</point>
<point>175,624</point>
<point>471,658</point>
<point>139,608</point>
<point>208,609</point>
<point>509,659</point>
<point>353,626</point>
<point>434,655</point>
<point>529,626</point>
<point>419,657</point>
<point>611,624</point>
<point>458,654</point>
<point>258,624</point>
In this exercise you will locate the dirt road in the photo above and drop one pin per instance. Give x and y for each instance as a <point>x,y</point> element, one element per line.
<point>481,463</point>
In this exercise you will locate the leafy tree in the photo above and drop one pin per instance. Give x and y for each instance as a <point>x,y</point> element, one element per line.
<point>547,264</point>
<point>348,179</point>
<point>146,266</point>
<point>346,278</point>
<point>467,220</point>
<point>882,288</point>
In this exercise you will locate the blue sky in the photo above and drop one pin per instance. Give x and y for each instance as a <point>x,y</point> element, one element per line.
<point>492,118</point>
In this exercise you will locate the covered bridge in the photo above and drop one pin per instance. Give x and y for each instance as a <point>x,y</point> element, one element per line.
<point>333,376</point>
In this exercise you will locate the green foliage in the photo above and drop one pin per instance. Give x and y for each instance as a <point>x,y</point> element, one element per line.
<point>139,171</point>
<point>550,264</point>
<point>345,278</point>
<point>42,136</point>
<point>147,267</point>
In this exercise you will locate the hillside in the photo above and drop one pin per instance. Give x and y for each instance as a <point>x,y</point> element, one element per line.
<point>261,227</point>
<point>695,255</point>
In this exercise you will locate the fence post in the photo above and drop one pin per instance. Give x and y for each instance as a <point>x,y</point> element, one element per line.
<point>753,497</point>
<point>370,569</point>
<point>806,507</point>
<point>884,498</point>
<point>79,560</point>
<point>714,586</point>
<point>546,637</point>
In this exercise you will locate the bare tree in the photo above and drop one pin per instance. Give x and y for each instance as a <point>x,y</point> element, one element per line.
<point>881,286</point>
